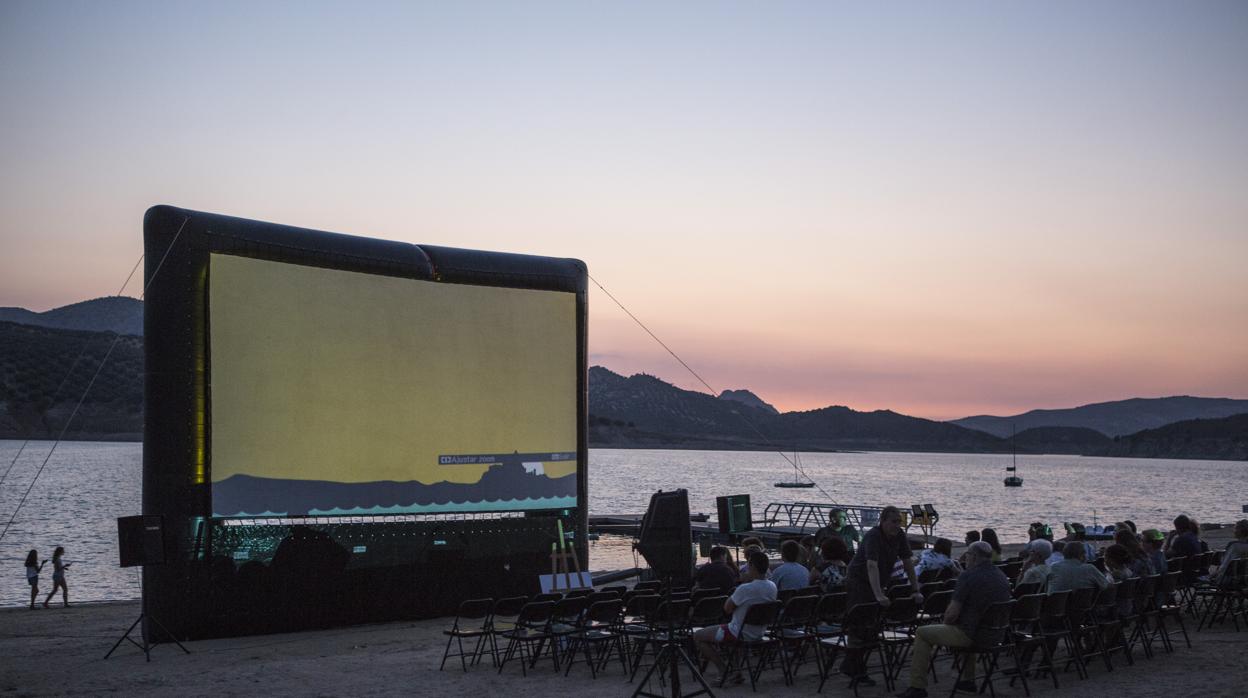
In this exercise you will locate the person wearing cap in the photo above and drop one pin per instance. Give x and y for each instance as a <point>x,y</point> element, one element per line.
<point>1036,567</point>
<point>1154,542</point>
<point>980,586</point>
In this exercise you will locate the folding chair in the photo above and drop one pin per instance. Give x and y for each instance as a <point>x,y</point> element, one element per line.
<point>1169,607</point>
<point>996,620</point>
<point>471,610</point>
<point>862,622</point>
<point>741,650</point>
<point>531,626</point>
<point>793,630</point>
<point>597,628</point>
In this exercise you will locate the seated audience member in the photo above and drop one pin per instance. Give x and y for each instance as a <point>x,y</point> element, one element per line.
<point>748,545</point>
<point>1182,541</point>
<point>1138,559</point>
<point>1153,544</point>
<point>839,526</point>
<point>1117,566</point>
<point>717,573</point>
<point>1036,565</point>
<point>810,555</point>
<point>830,573</point>
<point>989,536</point>
<point>980,586</point>
<point>754,588</point>
<point>791,574</point>
<point>971,537</point>
<point>1074,572</point>
<point>1195,528</point>
<point>1039,530</point>
<point>1235,550</point>
<point>938,558</point>
<point>1057,556</point>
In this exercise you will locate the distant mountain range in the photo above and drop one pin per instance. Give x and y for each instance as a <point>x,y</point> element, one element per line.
<point>120,314</point>
<point>1117,418</point>
<point>37,351</point>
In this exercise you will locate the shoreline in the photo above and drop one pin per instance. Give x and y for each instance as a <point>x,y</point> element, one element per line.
<point>126,438</point>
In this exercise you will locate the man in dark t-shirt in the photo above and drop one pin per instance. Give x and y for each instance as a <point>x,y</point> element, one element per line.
<point>1184,542</point>
<point>870,569</point>
<point>980,586</point>
<point>716,574</point>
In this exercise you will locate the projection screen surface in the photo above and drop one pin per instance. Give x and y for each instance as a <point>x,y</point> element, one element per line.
<point>339,393</point>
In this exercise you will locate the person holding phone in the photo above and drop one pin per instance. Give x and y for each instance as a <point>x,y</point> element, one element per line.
<point>58,577</point>
<point>33,567</point>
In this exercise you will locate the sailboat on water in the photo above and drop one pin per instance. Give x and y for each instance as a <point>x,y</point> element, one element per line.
<point>1013,480</point>
<point>797,481</point>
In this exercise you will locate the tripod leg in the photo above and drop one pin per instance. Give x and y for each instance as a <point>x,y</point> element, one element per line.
<point>171,635</point>
<point>125,637</point>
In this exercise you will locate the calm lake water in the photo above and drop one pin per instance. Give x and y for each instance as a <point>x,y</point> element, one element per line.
<point>86,486</point>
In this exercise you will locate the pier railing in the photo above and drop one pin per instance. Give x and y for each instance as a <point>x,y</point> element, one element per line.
<point>816,515</point>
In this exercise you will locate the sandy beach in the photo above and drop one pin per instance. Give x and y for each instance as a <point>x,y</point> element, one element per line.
<point>61,651</point>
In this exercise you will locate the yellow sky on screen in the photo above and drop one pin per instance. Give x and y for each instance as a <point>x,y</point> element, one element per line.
<point>322,374</point>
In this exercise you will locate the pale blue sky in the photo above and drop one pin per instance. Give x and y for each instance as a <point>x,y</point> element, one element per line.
<point>939,208</point>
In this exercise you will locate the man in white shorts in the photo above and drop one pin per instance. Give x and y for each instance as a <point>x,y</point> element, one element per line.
<point>754,588</point>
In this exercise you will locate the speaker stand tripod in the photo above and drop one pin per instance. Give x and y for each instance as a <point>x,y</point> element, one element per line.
<point>670,657</point>
<point>146,645</point>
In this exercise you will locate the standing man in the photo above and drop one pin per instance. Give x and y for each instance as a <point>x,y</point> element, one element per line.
<point>980,586</point>
<point>881,548</point>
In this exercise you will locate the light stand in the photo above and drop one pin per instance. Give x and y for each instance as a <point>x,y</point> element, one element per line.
<point>671,656</point>
<point>146,645</point>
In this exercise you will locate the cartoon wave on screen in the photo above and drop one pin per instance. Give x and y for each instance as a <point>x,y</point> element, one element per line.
<point>518,481</point>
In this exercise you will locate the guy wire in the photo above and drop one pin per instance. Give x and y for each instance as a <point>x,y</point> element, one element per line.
<point>56,393</point>
<point>98,369</point>
<point>792,461</point>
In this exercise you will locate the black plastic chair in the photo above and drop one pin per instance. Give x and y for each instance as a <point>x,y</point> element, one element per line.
<point>862,622</point>
<point>669,621</point>
<point>1170,608</point>
<point>793,630</point>
<point>503,618</point>
<point>996,621</point>
<point>742,650</point>
<point>1055,626</point>
<point>532,626</point>
<point>460,630</point>
<point>1027,628</point>
<point>598,628</point>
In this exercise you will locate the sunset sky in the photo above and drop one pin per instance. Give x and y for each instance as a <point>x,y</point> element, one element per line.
<point>933,208</point>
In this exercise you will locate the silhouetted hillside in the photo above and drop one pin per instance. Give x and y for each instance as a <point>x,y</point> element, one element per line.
<point>1216,439</point>
<point>1116,418</point>
<point>1068,440</point>
<point>120,314</point>
<point>746,397</point>
<point>659,412</point>
<point>38,389</point>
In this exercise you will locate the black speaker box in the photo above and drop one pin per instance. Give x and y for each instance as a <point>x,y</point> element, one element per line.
<point>666,540</point>
<point>735,515</point>
<point>141,540</point>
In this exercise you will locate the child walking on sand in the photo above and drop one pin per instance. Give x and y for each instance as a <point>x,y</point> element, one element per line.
<point>33,567</point>
<point>58,577</point>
